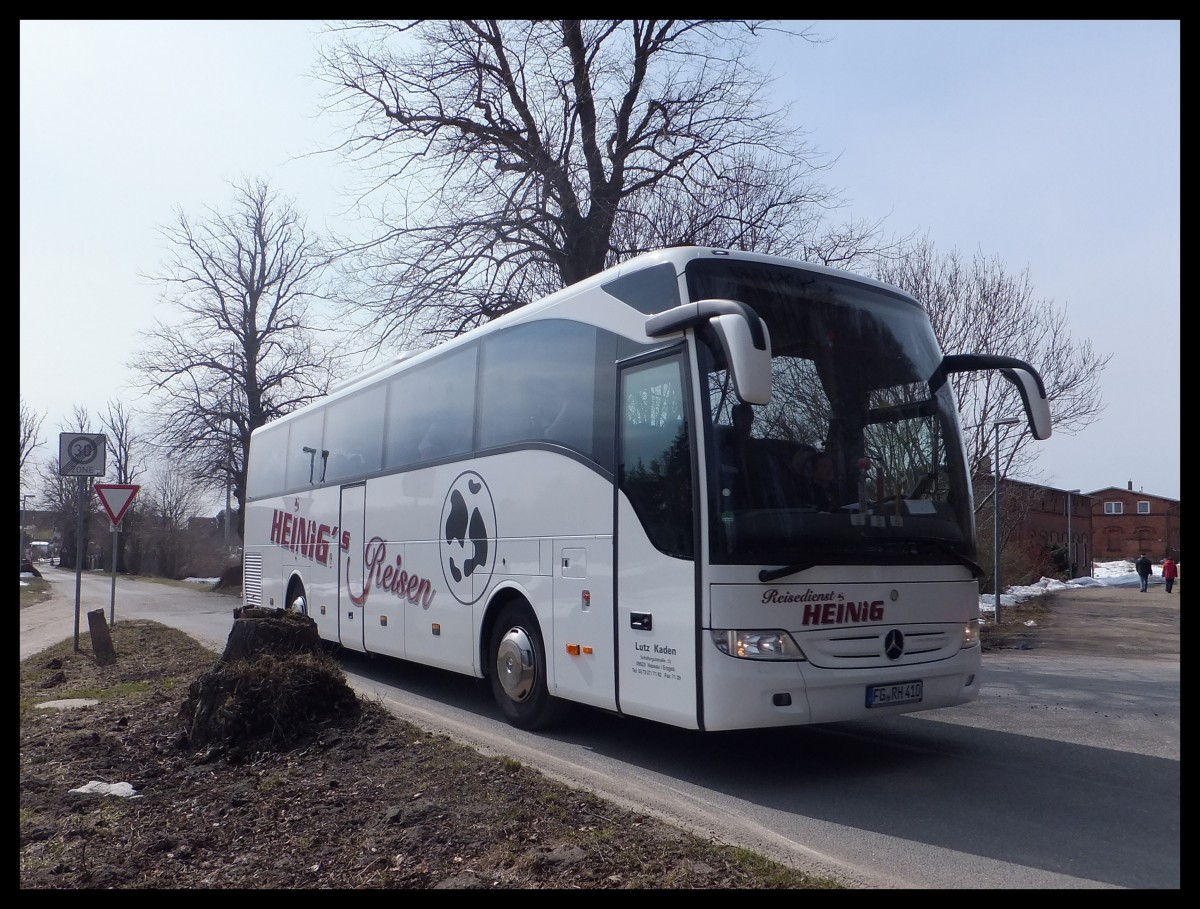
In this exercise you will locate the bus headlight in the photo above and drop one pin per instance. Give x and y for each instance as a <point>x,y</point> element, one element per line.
<point>970,634</point>
<point>757,644</point>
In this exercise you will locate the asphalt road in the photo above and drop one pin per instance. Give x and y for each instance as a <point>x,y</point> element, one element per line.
<point>1063,775</point>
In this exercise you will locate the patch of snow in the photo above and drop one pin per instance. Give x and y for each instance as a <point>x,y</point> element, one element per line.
<point>121,790</point>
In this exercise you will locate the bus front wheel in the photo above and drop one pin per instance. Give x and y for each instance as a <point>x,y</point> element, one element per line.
<point>518,670</point>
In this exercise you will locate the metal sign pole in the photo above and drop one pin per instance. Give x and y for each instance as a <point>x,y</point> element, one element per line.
<point>112,600</point>
<point>81,455</point>
<point>116,499</point>
<point>79,524</point>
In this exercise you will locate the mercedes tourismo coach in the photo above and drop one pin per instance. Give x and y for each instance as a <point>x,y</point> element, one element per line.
<point>714,489</point>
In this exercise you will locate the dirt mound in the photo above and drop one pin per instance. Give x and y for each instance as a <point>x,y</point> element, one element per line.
<point>230,579</point>
<point>274,688</point>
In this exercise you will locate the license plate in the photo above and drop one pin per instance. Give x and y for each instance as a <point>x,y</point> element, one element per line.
<point>900,693</point>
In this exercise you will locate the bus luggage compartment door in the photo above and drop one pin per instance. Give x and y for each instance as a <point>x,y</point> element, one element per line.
<point>582,638</point>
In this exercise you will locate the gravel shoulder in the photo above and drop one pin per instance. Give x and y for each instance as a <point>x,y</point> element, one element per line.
<point>1100,621</point>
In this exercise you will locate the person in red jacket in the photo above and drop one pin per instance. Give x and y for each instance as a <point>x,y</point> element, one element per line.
<point>1170,572</point>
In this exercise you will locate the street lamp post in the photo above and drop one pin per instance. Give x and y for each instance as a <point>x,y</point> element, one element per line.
<point>996,424</point>
<point>1070,540</point>
<point>229,463</point>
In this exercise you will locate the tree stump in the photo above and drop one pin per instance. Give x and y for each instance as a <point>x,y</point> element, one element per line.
<point>268,631</point>
<point>273,687</point>
<point>102,645</point>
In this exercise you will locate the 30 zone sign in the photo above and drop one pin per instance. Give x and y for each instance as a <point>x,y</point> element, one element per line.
<point>81,454</point>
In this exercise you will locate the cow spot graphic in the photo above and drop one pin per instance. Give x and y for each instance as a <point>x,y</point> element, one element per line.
<point>460,528</point>
<point>468,531</point>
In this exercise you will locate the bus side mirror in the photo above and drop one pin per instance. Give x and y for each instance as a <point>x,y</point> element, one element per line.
<point>1037,407</point>
<point>750,365</point>
<point>743,336</point>
<point>1021,374</point>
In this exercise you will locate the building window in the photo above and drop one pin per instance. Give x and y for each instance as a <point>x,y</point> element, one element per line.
<point>1114,507</point>
<point>1143,508</point>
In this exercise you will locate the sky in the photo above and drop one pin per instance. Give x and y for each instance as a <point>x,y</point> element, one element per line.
<point>1052,146</point>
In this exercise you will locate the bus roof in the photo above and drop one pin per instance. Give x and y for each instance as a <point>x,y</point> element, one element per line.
<point>677,256</point>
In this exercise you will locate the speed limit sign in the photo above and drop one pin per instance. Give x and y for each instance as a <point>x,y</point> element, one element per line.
<point>81,454</point>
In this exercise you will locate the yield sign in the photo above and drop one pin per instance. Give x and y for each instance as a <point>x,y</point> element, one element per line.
<point>116,498</point>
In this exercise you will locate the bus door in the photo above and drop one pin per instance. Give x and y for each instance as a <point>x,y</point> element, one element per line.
<point>351,576</point>
<point>656,615</point>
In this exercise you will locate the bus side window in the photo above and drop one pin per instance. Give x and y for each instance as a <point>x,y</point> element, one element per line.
<point>353,437</point>
<point>572,424</point>
<point>538,385</point>
<point>431,405</point>
<point>431,444</point>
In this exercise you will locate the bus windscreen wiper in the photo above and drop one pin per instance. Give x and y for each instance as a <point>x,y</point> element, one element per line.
<point>774,574</point>
<point>960,558</point>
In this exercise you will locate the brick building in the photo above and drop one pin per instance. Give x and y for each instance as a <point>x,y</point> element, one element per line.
<point>1105,525</point>
<point>1126,522</point>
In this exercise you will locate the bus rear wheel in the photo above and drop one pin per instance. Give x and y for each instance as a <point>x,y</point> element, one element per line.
<point>296,600</point>
<point>518,670</point>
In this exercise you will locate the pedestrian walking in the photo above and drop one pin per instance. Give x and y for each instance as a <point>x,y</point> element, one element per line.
<point>1143,568</point>
<point>1170,572</point>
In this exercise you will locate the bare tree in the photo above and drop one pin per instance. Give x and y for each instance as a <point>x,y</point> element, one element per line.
<point>59,496</point>
<point>246,349</point>
<point>127,458</point>
<point>978,306</point>
<point>31,434</point>
<point>1019,561</point>
<point>172,501</point>
<point>524,155</point>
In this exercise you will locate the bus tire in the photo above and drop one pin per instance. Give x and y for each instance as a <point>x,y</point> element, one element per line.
<point>518,670</point>
<point>297,602</point>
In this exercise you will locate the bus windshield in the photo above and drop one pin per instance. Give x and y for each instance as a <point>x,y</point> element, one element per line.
<point>853,459</point>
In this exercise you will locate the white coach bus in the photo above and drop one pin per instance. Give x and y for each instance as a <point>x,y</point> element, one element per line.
<point>572,502</point>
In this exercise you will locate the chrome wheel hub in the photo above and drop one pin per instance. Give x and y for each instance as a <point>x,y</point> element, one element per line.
<point>515,666</point>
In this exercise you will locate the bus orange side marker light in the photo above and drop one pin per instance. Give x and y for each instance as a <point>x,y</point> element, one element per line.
<point>573,649</point>
<point>587,649</point>
<point>383,621</point>
<point>437,630</point>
